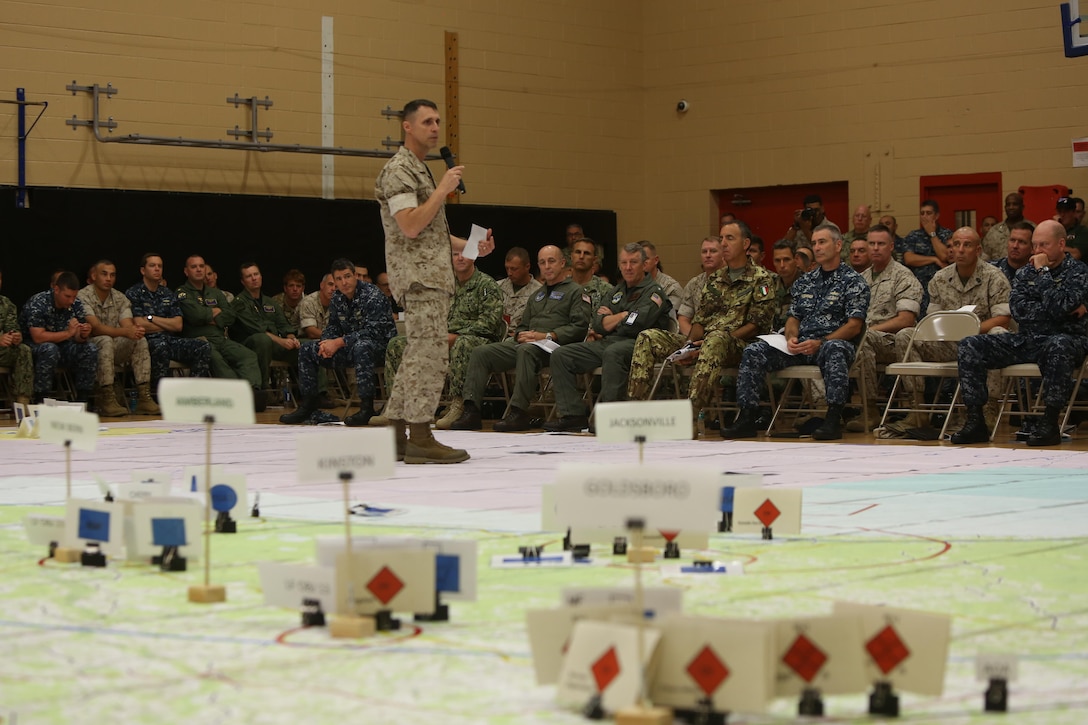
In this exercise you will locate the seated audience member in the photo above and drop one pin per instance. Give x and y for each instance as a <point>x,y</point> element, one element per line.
<point>672,288</point>
<point>1018,250</point>
<point>859,255</point>
<point>206,314</point>
<point>736,303</point>
<point>895,300</point>
<point>995,240</point>
<point>517,287</point>
<point>357,333</point>
<point>964,282</point>
<point>926,248</point>
<point>1070,213</point>
<point>211,279</point>
<point>1047,302</point>
<point>155,308</point>
<point>559,312</point>
<point>859,229</point>
<point>118,339</point>
<point>260,325</point>
<point>14,353</point>
<point>475,319</point>
<point>294,289</point>
<point>787,268</point>
<point>756,251</point>
<point>824,326</point>
<point>59,334</point>
<point>635,304</point>
<point>806,219</point>
<point>586,256</point>
<point>383,284</point>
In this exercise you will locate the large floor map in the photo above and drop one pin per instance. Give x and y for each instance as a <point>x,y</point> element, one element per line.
<point>998,544</point>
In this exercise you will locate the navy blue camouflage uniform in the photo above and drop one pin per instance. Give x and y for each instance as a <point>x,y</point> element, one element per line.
<point>822,302</point>
<point>1050,335</point>
<point>366,323</point>
<point>80,358</point>
<point>920,243</point>
<point>165,346</point>
<point>1003,265</point>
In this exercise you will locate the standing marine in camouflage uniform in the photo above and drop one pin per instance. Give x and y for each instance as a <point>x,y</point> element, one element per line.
<point>155,308</point>
<point>260,325</point>
<point>968,281</point>
<point>59,333</point>
<point>118,340</point>
<point>557,313</point>
<point>360,326</point>
<point>636,304</point>
<point>207,314</point>
<point>1048,303</point>
<point>823,328</point>
<point>417,256</point>
<point>895,303</point>
<point>475,319</point>
<point>14,354</point>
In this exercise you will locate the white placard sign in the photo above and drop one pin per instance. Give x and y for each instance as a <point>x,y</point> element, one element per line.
<point>192,400</point>
<point>286,585</point>
<point>659,600</point>
<point>43,529</point>
<point>655,420</point>
<point>776,508</point>
<point>366,453</point>
<point>152,477</point>
<point>455,559</point>
<point>128,491</point>
<point>991,666</point>
<point>60,425</point>
<point>664,497</point>
<point>182,519</point>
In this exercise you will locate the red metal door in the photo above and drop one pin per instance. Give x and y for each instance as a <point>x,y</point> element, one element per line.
<point>964,198</point>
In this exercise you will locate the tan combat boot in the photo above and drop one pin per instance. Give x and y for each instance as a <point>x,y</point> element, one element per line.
<point>453,412</point>
<point>145,404</point>
<point>423,448</point>
<point>106,403</point>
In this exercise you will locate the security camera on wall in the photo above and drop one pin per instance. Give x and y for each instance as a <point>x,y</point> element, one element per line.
<point>682,106</point>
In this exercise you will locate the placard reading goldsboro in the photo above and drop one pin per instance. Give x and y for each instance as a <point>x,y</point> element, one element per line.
<point>664,497</point>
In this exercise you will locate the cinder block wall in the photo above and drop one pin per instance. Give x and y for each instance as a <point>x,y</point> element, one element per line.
<point>565,102</point>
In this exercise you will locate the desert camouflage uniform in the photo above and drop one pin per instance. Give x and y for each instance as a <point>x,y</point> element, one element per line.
<point>672,288</point>
<point>81,358</point>
<point>1042,303</point>
<point>366,324</point>
<point>892,291</point>
<point>648,307</point>
<point>475,317</point>
<point>822,303</point>
<point>116,350</point>
<point>292,314</point>
<point>514,301</point>
<point>166,346</point>
<point>17,357</point>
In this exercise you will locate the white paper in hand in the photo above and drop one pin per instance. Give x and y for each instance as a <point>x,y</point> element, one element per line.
<point>472,244</point>
<point>778,342</point>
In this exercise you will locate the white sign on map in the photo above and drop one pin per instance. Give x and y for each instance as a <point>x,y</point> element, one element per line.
<point>193,400</point>
<point>60,425</point>
<point>366,453</point>
<point>664,497</point>
<point>286,585</point>
<point>654,420</point>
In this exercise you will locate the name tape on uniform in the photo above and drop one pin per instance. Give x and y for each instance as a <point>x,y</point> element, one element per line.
<point>62,424</point>
<point>656,420</point>
<point>192,400</point>
<point>664,497</point>
<point>364,453</point>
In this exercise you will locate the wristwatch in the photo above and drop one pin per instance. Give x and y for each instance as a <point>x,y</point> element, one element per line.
<point>933,235</point>
<point>1044,268</point>
<point>549,336</point>
<point>149,317</point>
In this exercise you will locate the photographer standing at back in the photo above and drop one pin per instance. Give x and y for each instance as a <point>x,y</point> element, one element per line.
<point>807,219</point>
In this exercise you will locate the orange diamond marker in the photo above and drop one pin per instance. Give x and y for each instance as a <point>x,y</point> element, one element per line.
<point>887,649</point>
<point>606,669</point>
<point>767,513</point>
<point>385,585</point>
<point>708,671</point>
<point>804,658</point>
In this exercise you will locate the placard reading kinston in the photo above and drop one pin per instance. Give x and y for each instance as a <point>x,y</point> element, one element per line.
<point>664,497</point>
<point>655,420</point>
<point>364,453</point>
<point>191,400</point>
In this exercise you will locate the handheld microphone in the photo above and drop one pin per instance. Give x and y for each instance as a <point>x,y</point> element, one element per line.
<point>447,156</point>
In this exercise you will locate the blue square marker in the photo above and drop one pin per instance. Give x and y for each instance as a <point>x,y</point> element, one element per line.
<point>168,532</point>
<point>727,500</point>
<point>94,525</point>
<point>447,570</point>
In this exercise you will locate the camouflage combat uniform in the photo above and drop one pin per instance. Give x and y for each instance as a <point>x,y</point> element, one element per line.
<point>116,350</point>
<point>654,345</point>
<point>475,317</point>
<point>229,359</point>
<point>597,290</point>
<point>561,310</point>
<point>166,346</point>
<point>919,242</point>
<point>422,282</point>
<point>291,314</point>
<point>17,357</point>
<point>514,301</point>
<point>80,358</point>
<point>822,303</point>
<point>1042,303</point>
<point>892,291</point>
<point>648,307</point>
<point>366,324</point>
